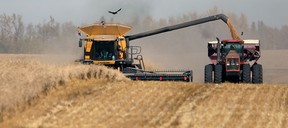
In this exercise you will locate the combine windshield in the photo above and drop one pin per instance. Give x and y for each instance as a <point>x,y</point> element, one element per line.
<point>103,50</point>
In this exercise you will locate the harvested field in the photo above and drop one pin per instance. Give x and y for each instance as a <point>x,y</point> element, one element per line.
<point>75,99</point>
<point>24,77</point>
<point>157,104</point>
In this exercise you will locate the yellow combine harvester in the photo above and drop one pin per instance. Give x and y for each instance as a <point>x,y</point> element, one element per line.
<point>106,44</point>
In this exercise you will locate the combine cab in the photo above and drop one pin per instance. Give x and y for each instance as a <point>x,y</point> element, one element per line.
<point>234,60</point>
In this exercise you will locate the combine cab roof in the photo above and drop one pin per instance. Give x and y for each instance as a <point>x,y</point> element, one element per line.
<point>105,29</point>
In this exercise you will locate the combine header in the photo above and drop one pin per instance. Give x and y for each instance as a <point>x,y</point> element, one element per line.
<point>158,75</point>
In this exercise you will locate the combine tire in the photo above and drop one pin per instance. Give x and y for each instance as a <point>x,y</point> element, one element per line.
<point>246,73</point>
<point>257,74</point>
<point>208,73</point>
<point>218,73</point>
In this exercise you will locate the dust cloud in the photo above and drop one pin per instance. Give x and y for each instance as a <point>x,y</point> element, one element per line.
<point>187,49</point>
<point>180,49</point>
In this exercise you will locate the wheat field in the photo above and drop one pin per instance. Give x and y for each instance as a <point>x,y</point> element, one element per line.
<point>35,94</point>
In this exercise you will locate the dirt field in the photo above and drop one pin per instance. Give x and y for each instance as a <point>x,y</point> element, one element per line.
<point>275,66</point>
<point>35,94</point>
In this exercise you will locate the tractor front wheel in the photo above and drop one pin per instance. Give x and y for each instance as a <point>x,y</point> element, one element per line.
<point>257,74</point>
<point>218,73</point>
<point>208,73</point>
<point>246,73</point>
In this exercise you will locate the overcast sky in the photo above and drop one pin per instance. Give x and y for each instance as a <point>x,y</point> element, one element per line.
<point>272,12</point>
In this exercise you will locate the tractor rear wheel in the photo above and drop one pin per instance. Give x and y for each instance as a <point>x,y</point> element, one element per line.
<point>208,73</point>
<point>246,73</point>
<point>218,73</point>
<point>257,74</point>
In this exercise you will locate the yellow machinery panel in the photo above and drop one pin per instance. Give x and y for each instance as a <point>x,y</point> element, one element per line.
<point>106,32</point>
<point>105,29</point>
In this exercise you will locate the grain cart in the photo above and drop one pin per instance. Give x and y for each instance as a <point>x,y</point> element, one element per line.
<point>234,60</point>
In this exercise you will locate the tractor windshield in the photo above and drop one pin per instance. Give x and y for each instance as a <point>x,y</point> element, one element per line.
<point>103,50</point>
<point>233,46</point>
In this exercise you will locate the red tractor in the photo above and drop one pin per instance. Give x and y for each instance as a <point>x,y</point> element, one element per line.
<point>234,60</point>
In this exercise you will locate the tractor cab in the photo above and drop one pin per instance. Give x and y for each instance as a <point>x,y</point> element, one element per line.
<point>232,51</point>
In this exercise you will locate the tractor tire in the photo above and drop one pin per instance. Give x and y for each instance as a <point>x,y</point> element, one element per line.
<point>246,73</point>
<point>257,74</point>
<point>218,73</point>
<point>208,73</point>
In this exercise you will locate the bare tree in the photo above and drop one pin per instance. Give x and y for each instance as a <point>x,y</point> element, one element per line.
<point>11,32</point>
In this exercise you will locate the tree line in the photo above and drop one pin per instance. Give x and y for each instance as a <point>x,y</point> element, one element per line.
<point>53,36</point>
<point>45,37</point>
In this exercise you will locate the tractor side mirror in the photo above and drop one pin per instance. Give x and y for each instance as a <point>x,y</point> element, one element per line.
<point>218,40</point>
<point>80,43</point>
<point>218,49</point>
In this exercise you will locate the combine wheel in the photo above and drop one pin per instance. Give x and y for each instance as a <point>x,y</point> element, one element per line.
<point>218,73</point>
<point>208,73</point>
<point>246,73</point>
<point>257,74</point>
